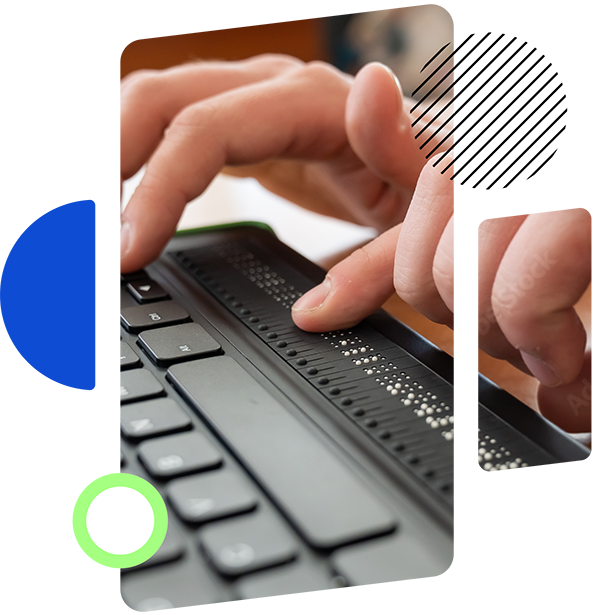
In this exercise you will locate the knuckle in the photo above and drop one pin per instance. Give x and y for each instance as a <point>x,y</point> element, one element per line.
<point>140,83</point>
<point>319,71</point>
<point>277,62</point>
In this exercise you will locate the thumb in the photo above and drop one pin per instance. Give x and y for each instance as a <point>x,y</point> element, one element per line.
<point>352,289</point>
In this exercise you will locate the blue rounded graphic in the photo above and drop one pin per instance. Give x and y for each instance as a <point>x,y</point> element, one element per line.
<point>53,271</point>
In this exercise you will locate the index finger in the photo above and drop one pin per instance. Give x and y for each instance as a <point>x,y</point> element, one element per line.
<point>299,115</point>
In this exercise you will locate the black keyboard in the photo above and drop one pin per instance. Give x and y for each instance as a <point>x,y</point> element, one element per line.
<point>289,461</point>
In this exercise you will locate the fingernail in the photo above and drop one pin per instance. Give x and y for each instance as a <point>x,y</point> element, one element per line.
<point>119,241</point>
<point>314,298</point>
<point>397,84</point>
<point>543,371</point>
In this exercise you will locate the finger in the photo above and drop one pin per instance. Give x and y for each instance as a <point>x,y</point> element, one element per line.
<point>494,238</point>
<point>428,216</point>
<point>443,266</point>
<point>297,116</point>
<point>543,273</point>
<point>379,127</point>
<point>352,289</point>
<point>151,99</point>
<point>570,406</point>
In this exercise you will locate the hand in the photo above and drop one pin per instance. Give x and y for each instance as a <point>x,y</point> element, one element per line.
<point>303,130</point>
<point>533,269</point>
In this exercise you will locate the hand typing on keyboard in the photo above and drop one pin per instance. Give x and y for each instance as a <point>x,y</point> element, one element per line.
<point>344,147</point>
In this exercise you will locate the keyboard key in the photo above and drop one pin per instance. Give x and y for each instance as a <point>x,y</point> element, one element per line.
<point>129,359</point>
<point>292,579</point>
<point>141,317</point>
<point>180,343</point>
<point>327,502</point>
<point>152,418</point>
<point>118,300</point>
<point>250,543</point>
<point>138,384</point>
<point>146,291</point>
<point>134,275</point>
<point>180,454</point>
<point>182,583</point>
<point>171,549</point>
<point>211,496</point>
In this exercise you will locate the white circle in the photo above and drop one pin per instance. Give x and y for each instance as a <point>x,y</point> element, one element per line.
<point>120,520</point>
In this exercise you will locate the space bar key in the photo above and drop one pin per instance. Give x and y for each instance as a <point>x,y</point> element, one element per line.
<point>323,497</point>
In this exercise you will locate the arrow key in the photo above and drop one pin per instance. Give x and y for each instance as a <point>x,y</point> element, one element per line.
<point>152,418</point>
<point>129,359</point>
<point>147,290</point>
<point>207,497</point>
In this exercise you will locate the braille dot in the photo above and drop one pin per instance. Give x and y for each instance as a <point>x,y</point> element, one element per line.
<point>334,391</point>
<point>280,343</point>
<point>347,401</point>
<point>413,460</point>
<point>358,412</point>
<point>263,327</point>
<point>384,435</point>
<point>272,336</point>
<point>291,352</point>
<point>245,311</point>
<point>301,361</point>
<point>323,380</point>
<point>312,371</point>
<point>371,423</point>
<point>228,296</point>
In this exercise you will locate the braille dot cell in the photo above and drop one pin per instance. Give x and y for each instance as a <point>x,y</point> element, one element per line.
<point>272,335</point>
<point>394,392</point>
<point>334,391</point>
<point>280,343</point>
<point>407,402</point>
<point>301,361</point>
<point>291,352</point>
<point>420,413</point>
<point>323,380</point>
<point>312,371</point>
<point>347,401</point>
<point>263,327</point>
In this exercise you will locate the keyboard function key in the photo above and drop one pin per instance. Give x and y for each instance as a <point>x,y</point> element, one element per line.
<point>250,543</point>
<point>211,496</point>
<point>139,384</point>
<point>147,291</point>
<point>151,418</point>
<point>129,359</point>
<point>141,317</point>
<point>179,343</point>
<point>179,454</point>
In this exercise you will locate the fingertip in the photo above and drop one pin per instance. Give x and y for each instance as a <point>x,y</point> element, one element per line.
<point>569,406</point>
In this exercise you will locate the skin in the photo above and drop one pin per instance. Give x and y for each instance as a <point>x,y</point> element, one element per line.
<point>344,147</point>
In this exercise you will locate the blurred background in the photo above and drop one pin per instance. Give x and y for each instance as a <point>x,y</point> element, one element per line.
<point>404,39</point>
